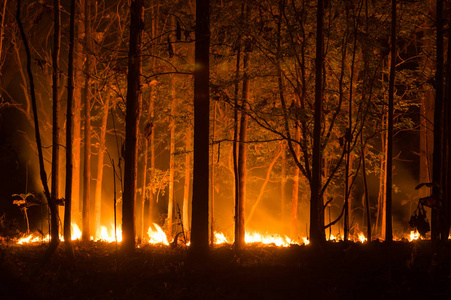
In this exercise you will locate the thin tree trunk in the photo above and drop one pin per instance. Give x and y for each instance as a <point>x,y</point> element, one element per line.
<point>389,165</point>
<point>52,205</point>
<point>316,211</point>
<point>56,102</point>
<point>283,184</point>
<point>171,153</point>
<point>438,125</point>
<point>131,126</point>
<point>87,117</point>
<point>69,143</point>
<point>186,186</point>
<point>199,222</point>
<point>77,109</point>
<point>242,159</point>
<point>212,179</point>
<point>295,189</point>
<point>262,189</point>
<point>100,164</point>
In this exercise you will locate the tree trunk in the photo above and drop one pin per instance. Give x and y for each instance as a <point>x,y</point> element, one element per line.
<point>56,102</point>
<point>317,236</point>
<point>52,204</point>
<point>242,159</point>
<point>262,189</point>
<point>389,164</point>
<point>171,153</point>
<point>131,127</point>
<point>87,117</point>
<point>69,144</point>
<point>77,109</point>
<point>186,186</point>
<point>100,164</point>
<point>438,126</point>
<point>295,190</point>
<point>199,222</point>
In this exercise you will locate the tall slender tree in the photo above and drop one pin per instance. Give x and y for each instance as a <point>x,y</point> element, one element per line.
<point>131,125</point>
<point>56,102</point>
<point>199,222</point>
<point>317,236</point>
<point>87,118</point>
<point>69,115</point>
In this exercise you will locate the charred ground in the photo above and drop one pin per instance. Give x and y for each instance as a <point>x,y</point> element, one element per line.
<point>399,270</point>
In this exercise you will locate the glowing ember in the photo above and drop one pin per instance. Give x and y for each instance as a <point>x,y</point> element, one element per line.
<point>157,236</point>
<point>306,241</point>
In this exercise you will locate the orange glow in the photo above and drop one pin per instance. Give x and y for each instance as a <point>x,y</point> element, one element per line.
<point>220,238</point>
<point>157,236</point>
<point>414,235</point>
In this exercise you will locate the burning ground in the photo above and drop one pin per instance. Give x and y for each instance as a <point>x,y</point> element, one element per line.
<point>338,270</point>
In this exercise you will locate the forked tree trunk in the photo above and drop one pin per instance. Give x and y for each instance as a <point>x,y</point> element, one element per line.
<point>262,189</point>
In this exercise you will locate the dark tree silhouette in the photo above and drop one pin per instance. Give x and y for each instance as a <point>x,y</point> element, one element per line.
<point>131,127</point>
<point>199,221</point>
<point>70,94</point>
<point>389,165</point>
<point>316,210</point>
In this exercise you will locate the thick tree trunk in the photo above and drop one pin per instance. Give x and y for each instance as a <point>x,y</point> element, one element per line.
<point>199,223</point>
<point>131,126</point>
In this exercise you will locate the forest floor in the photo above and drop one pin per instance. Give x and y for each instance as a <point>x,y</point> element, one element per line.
<point>374,270</point>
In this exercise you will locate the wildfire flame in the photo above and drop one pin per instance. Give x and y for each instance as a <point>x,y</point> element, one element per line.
<point>414,235</point>
<point>157,236</point>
